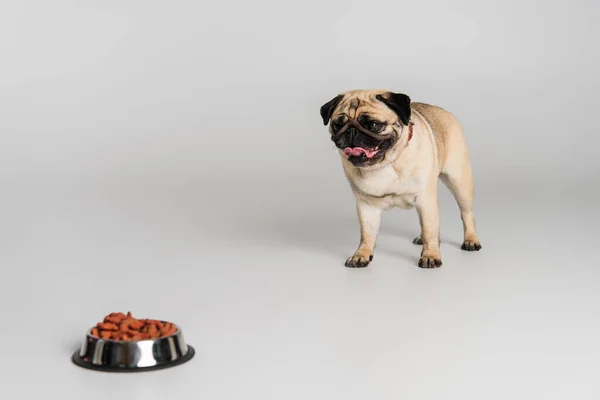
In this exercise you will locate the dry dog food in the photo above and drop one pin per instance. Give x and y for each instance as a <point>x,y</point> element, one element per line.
<point>118,326</point>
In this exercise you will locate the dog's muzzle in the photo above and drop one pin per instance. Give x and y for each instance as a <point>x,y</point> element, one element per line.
<point>357,144</point>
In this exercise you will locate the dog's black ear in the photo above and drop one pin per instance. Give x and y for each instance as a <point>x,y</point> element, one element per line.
<point>399,103</point>
<point>327,108</point>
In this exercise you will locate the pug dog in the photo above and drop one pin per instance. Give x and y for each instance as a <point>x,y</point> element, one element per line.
<point>393,151</point>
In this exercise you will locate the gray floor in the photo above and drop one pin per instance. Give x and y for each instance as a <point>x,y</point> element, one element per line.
<point>255,277</point>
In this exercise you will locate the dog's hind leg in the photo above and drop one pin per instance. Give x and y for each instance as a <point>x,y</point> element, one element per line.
<point>458,177</point>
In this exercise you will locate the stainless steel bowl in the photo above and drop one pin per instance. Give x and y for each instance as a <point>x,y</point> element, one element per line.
<point>133,356</point>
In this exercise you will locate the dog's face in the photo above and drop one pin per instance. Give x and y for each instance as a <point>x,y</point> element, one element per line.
<point>366,124</point>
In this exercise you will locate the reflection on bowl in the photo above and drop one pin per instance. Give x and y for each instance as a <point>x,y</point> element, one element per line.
<point>133,356</point>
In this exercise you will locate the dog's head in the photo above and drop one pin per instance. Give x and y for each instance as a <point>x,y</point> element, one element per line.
<point>366,124</point>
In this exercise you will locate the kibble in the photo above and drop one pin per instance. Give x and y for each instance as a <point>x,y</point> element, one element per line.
<point>118,326</point>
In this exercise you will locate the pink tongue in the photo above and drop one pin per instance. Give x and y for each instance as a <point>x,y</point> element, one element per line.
<point>358,151</point>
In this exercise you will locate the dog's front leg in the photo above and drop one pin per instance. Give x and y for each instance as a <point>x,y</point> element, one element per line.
<point>369,217</point>
<point>429,217</point>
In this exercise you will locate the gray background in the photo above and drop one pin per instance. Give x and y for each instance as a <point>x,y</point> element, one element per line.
<point>168,158</point>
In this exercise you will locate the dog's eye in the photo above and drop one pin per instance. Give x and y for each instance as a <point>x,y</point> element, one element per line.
<point>337,125</point>
<point>374,126</point>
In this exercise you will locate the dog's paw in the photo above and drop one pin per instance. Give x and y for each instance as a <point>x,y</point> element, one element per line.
<point>471,245</point>
<point>359,260</point>
<point>429,262</point>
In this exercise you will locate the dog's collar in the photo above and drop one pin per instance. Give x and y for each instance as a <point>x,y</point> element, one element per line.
<point>410,131</point>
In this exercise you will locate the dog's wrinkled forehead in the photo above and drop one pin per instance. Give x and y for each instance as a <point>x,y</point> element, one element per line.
<point>357,103</point>
<point>386,106</point>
